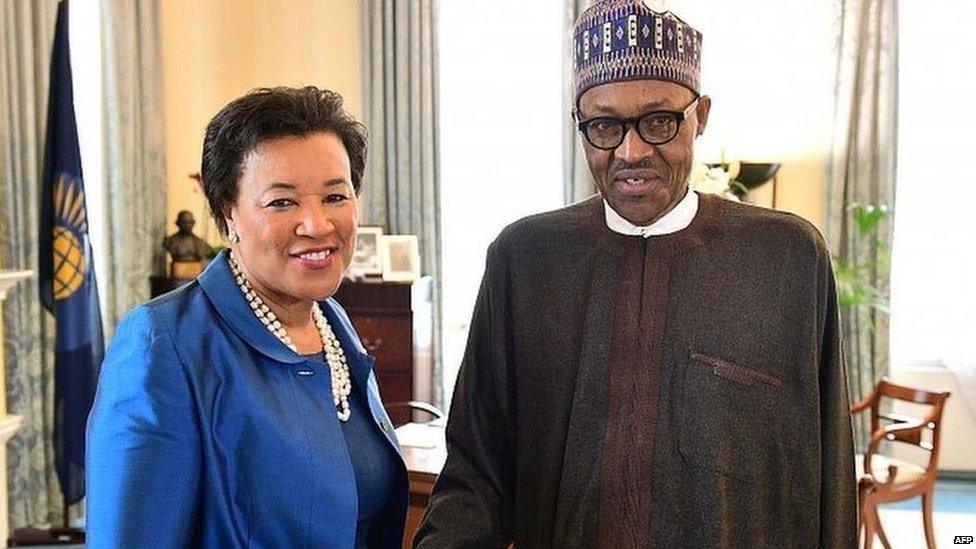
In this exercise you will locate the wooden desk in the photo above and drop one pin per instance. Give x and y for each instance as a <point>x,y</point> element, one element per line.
<point>423,466</point>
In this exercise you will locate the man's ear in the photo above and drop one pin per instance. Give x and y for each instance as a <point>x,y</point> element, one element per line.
<point>704,107</point>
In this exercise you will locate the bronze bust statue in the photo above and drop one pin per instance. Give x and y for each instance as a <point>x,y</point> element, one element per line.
<point>188,251</point>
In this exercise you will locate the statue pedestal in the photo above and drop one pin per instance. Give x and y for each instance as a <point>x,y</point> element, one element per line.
<point>186,269</point>
<point>8,423</point>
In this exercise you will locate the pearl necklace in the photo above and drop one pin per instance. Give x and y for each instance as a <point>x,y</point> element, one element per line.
<point>334,356</point>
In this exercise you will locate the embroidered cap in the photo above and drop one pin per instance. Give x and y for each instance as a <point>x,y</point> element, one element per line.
<point>618,40</point>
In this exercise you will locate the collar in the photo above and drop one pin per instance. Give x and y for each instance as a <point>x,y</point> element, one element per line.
<point>218,284</point>
<point>673,221</point>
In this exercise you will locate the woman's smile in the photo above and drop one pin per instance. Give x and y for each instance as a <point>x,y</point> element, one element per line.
<point>316,258</point>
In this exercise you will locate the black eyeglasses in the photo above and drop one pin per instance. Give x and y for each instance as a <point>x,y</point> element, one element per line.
<point>656,127</point>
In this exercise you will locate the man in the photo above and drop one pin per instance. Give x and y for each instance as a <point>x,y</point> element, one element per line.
<point>649,368</point>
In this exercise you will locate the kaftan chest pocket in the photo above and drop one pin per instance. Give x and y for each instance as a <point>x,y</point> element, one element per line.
<point>731,418</point>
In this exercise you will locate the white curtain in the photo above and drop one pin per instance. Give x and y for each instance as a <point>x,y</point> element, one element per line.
<point>134,153</point>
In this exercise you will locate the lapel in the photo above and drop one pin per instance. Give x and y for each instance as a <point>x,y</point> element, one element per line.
<point>220,288</point>
<point>218,284</point>
<point>360,368</point>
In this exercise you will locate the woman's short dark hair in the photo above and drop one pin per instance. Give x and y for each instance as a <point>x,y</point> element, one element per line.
<point>265,114</point>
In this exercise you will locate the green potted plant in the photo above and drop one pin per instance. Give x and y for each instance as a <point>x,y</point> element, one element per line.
<point>855,278</point>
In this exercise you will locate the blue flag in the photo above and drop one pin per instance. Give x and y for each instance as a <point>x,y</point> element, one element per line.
<point>67,275</point>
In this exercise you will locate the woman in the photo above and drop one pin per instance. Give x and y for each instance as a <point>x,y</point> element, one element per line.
<point>241,410</point>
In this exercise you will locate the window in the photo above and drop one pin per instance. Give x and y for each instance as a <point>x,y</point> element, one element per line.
<point>501,118</point>
<point>933,295</point>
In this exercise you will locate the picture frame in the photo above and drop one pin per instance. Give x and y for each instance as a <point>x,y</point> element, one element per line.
<point>367,260</point>
<point>401,257</point>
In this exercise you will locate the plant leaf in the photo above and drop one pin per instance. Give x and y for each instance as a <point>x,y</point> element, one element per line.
<point>868,216</point>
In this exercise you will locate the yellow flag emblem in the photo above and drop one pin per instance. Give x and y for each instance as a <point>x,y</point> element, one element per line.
<point>70,265</point>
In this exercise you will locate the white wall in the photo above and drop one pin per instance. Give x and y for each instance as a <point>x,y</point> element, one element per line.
<point>769,67</point>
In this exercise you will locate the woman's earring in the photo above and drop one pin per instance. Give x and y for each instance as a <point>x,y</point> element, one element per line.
<point>232,235</point>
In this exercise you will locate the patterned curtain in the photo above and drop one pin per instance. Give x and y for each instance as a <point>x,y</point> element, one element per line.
<point>135,211</point>
<point>134,153</point>
<point>26,38</point>
<point>577,179</point>
<point>401,188</point>
<point>862,170</point>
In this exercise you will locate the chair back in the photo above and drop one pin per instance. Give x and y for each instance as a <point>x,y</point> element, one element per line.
<point>414,406</point>
<point>874,487</point>
<point>931,421</point>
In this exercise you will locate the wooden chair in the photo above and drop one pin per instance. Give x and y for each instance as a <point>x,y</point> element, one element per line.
<point>883,479</point>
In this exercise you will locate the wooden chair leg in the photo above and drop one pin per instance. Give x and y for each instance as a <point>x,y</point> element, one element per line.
<point>881,532</point>
<point>862,526</point>
<point>876,529</point>
<point>870,520</point>
<point>927,504</point>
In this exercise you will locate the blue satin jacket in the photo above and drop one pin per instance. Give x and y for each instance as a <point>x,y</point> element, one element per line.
<point>208,432</point>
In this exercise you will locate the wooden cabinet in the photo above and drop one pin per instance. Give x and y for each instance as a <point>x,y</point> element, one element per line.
<point>395,323</point>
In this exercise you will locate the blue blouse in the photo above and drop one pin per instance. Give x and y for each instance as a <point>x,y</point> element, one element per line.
<point>375,467</point>
<point>208,432</point>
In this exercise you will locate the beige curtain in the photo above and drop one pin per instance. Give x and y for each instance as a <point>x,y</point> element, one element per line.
<point>134,154</point>
<point>862,170</point>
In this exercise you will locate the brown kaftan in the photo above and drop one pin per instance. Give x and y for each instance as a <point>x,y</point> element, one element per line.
<point>683,390</point>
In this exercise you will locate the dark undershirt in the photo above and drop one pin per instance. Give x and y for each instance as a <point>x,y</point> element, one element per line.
<point>371,456</point>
